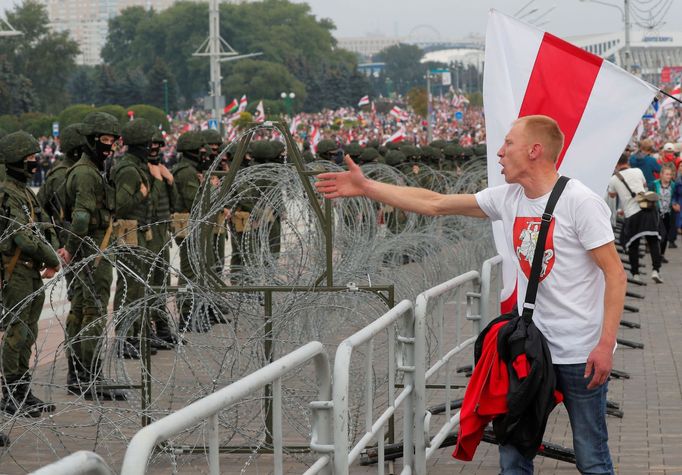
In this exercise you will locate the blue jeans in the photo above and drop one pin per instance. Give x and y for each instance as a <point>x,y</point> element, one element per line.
<point>587,412</point>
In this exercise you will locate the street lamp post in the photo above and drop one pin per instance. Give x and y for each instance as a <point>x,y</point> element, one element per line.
<point>288,102</point>
<point>625,15</point>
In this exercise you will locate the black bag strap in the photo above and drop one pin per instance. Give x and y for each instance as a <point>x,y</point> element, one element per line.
<point>547,216</point>
<point>620,177</point>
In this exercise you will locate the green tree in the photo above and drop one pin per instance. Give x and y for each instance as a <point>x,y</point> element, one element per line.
<point>117,111</point>
<point>16,90</point>
<point>44,56</point>
<point>159,77</point>
<point>153,114</point>
<point>74,114</point>
<point>403,66</point>
<point>82,86</point>
<point>37,123</point>
<point>417,99</point>
<point>262,80</point>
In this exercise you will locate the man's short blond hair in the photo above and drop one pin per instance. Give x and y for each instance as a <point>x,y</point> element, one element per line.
<point>646,145</point>
<point>544,130</point>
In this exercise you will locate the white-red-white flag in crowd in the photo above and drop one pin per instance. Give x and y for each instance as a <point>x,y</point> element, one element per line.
<point>668,102</point>
<point>314,138</point>
<point>259,116</point>
<point>242,104</point>
<point>398,136</point>
<point>364,101</point>
<point>293,127</point>
<point>399,114</point>
<point>596,104</point>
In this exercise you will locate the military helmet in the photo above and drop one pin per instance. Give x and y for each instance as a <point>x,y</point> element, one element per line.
<point>260,151</point>
<point>211,137</point>
<point>190,141</point>
<point>71,138</point>
<point>277,149</point>
<point>392,146</point>
<point>138,132</point>
<point>451,151</point>
<point>374,143</point>
<point>368,155</point>
<point>326,146</point>
<point>394,157</point>
<point>158,138</point>
<point>468,152</point>
<point>439,144</point>
<point>480,150</point>
<point>353,149</point>
<point>16,146</point>
<point>100,123</point>
<point>410,151</point>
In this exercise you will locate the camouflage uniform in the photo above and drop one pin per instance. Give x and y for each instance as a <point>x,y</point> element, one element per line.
<point>90,203</point>
<point>161,201</point>
<point>26,249</point>
<point>52,195</point>
<point>186,174</point>
<point>132,218</point>
<point>213,139</point>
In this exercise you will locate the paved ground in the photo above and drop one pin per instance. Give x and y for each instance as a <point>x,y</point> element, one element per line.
<point>647,440</point>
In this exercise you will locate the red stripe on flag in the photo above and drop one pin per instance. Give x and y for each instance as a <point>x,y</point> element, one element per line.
<point>560,85</point>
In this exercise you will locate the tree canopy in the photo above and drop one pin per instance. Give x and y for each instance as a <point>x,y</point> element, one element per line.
<point>37,64</point>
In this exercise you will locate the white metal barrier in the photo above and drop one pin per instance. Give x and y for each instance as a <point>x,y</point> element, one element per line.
<point>449,291</point>
<point>82,462</point>
<point>329,433</point>
<point>375,430</point>
<point>142,444</point>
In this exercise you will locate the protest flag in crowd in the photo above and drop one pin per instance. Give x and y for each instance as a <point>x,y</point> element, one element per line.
<point>259,116</point>
<point>314,138</point>
<point>364,101</point>
<point>399,114</point>
<point>596,104</point>
<point>231,108</point>
<point>398,136</point>
<point>242,104</point>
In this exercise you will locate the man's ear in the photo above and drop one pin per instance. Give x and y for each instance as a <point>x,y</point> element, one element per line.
<point>535,151</point>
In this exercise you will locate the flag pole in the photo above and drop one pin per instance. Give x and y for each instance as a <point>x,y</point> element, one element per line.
<point>670,96</point>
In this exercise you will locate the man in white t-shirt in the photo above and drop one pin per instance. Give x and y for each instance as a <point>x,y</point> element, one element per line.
<point>638,222</point>
<point>582,291</point>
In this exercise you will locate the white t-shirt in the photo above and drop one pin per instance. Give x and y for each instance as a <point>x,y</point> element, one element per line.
<point>637,183</point>
<point>569,307</point>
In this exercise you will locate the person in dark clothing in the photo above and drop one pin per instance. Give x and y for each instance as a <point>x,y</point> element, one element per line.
<point>644,160</point>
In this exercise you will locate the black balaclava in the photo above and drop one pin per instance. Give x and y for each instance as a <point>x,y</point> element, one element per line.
<point>22,171</point>
<point>154,156</point>
<point>97,150</point>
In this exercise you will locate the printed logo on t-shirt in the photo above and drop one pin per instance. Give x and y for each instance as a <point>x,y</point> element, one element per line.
<point>526,231</point>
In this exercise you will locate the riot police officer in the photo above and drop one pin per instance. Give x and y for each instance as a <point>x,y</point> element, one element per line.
<point>131,179</point>
<point>161,201</point>
<point>186,174</point>
<point>27,248</point>
<point>90,203</point>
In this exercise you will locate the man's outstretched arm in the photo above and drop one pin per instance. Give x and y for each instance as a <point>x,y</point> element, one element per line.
<point>418,200</point>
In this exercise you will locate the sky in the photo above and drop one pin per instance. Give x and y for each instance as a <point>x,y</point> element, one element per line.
<point>455,19</point>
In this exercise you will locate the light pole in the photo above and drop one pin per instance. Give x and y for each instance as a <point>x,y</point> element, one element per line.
<point>625,15</point>
<point>288,101</point>
<point>165,96</point>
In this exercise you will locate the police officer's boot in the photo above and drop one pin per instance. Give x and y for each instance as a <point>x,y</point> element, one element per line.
<point>97,387</point>
<point>163,338</point>
<point>13,394</point>
<point>32,401</point>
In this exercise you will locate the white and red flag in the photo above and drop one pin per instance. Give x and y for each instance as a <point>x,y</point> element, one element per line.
<point>364,101</point>
<point>293,126</point>
<point>399,114</point>
<point>596,104</point>
<point>314,138</point>
<point>259,116</point>
<point>242,104</point>
<point>398,136</point>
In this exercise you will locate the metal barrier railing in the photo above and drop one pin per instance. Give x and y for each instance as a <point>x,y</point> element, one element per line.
<point>429,305</point>
<point>471,292</point>
<point>402,314</point>
<point>144,442</point>
<point>82,462</point>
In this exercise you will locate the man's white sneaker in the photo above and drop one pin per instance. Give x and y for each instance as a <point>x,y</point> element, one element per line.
<point>656,277</point>
<point>637,278</point>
